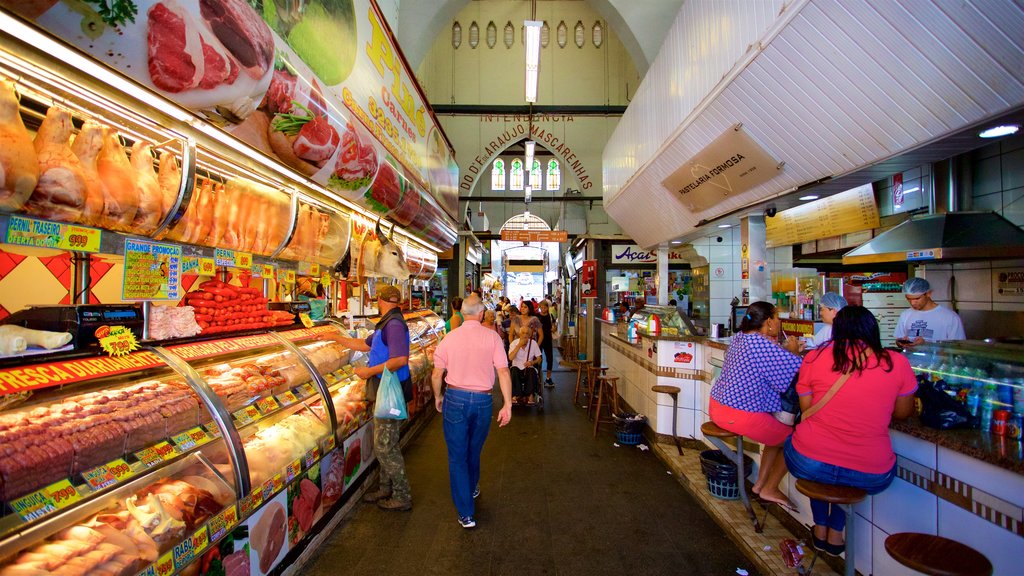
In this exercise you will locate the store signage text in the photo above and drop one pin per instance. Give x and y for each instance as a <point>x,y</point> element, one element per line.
<point>553,143</point>
<point>59,373</point>
<point>633,254</point>
<point>42,234</point>
<point>535,235</point>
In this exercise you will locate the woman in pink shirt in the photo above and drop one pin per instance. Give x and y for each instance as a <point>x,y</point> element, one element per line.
<point>846,441</point>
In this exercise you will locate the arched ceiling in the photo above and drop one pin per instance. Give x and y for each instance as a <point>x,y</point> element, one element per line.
<point>640,25</point>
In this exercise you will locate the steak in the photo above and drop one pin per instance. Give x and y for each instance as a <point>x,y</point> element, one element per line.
<point>317,140</point>
<point>242,32</point>
<point>182,55</point>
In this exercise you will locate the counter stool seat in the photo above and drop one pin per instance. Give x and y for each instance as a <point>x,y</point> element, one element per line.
<point>717,436</point>
<point>608,397</point>
<point>594,373</point>
<point>582,370</point>
<point>844,496</point>
<point>937,556</point>
<point>672,391</point>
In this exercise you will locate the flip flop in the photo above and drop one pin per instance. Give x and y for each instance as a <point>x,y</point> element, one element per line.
<point>786,505</point>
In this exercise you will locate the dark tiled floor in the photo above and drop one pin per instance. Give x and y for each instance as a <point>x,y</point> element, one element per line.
<point>554,501</point>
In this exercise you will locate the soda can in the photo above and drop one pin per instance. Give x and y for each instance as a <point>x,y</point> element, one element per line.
<point>1015,426</point>
<point>1000,419</point>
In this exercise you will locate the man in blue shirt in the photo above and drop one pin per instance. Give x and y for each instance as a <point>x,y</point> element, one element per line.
<point>388,347</point>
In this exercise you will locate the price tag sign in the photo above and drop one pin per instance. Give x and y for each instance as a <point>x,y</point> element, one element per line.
<point>183,442</point>
<point>267,490</point>
<point>278,480</point>
<point>267,405</point>
<point>328,443</point>
<point>230,515</point>
<point>248,504</point>
<point>63,493</point>
<point>120,470</point>
<point>212,430</point>
<point>243,260</point>
<point>293,470</point>
<point>310,458</point>
<point>224,257</point>
<point>117,340</point>
<point>207,266</point>
<point>99,478</point>
<point>286,276</point>
<point>268,270</point>
<point>184,553</point>
<point>165,451</point>
<point>252,412</point>
<point>35,505</point>
<point>200,540</point>
<point>288,398</point>
<point>347,368</point>
<point>198,436</point>
<point>221,523</point>
<point>189,266</point>
<point>149,571</point>
<point>242,416</point>
<point>165,564</point>
<point>30,232</point>
<point>306,320</point>
<point>148,457</point>
<point>307,389</point>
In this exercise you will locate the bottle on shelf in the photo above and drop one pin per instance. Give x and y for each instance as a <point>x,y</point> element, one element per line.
<point>988,401</point>
<point>974,401</point>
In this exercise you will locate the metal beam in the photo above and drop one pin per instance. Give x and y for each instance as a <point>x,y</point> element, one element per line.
<point>525,110</point>
<point>519,199</point>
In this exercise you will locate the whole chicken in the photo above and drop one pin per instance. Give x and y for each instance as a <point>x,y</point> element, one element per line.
<point>60,192</point>
<point>148,215</point>
<point>170,182</point>
<point>121,197</point>
<point>19,169</point>
<point>87,147</point>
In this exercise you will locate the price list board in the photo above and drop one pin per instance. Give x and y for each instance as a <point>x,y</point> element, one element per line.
<point>851,211</point>
<point>151,271</point>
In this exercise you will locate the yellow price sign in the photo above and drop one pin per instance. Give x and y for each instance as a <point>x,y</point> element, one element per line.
<point>165,564</point>
<point>268,404</point>
<point>165,450</point>
<point>252,413</point>
<point>288,398</point>
<point>120,469</point>
<point>117,340</point>
<point>289,276</point>
<point>200,540</point>
<point>243,259</point>
<point>268,271</point>
<point>40,233</point>
<point>293,470</point>
<point>207,266</point>
<point>306,320</point>
<point>278,482</point>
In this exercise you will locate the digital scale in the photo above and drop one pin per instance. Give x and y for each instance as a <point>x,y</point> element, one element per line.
<point>81,320</point>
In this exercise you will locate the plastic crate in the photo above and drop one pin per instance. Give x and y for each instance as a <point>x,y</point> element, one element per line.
<point>724,490</point>
<point>628,439</point>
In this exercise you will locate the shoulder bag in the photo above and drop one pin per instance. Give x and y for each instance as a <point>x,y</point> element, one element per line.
<point>821,403</point>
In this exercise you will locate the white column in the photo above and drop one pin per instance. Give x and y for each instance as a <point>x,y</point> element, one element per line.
<point>662,278</point>
<point>755,253</point>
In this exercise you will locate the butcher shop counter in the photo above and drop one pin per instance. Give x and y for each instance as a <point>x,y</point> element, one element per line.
<point>176,458</point>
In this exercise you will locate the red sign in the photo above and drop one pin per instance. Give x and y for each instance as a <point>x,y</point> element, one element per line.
<point>588,279</point>
<point>897,190</point>
<point>535,235</point>
<point>20,378</point>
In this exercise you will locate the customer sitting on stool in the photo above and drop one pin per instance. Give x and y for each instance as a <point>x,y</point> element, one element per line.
<point>757,369</point>
<point>845,442</point>
<point>525,356</point>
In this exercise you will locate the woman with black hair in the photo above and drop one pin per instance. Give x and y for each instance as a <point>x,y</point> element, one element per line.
<point>756,371</point>
<point>528,317</point>
<point>455,320</point>
<point>849,391</point>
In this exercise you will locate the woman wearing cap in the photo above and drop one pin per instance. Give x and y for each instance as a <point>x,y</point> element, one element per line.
<point>925,321</point>
<point>831,303</point>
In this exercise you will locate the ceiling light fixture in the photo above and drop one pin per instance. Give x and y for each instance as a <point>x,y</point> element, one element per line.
<point>809,197</point>
<point>725,225</point>
<point>529,192</point>
<point>997,131</point>
<point>532,57</point>
<point>677,241</point>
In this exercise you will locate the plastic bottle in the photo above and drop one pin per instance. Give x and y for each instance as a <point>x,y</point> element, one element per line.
<point>974,402</point>
<point>988,400</point>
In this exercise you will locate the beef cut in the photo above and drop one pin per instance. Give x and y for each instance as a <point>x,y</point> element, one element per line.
<point>183,55</point>
<point>242,32</point>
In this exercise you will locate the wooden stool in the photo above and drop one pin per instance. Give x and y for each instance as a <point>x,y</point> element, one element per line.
<point>717,436</point>
<point>593,376</point>
<point>568,352</point>
<point>607,396</point>
<point>844,496</point>
<point>937,556</point>
<point>582,368</point>
<point>672,391</point>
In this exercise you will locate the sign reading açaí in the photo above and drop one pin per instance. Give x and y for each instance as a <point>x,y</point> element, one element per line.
<point>633,254</point>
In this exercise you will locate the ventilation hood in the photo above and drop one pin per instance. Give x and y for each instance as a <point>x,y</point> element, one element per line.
<point>949,236</point>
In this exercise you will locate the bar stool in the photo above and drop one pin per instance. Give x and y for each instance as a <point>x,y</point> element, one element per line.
<point>937,556</point>
<point>672,391</point>
<point>844,496</point>
<point>717,436</point>
<point>607,396</point>
<point>582,370</point>
<point>593,376</point>
<point>569,357</point>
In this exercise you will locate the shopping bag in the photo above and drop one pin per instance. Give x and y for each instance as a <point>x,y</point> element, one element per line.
<point>390,399</point>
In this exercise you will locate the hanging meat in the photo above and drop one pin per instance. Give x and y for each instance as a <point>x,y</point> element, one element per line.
<point>19,169</point>
<point>60,192</point>
<point>170,182</point>
<point>151,201</point>
<point>87,147</point>
<point>121,197</point>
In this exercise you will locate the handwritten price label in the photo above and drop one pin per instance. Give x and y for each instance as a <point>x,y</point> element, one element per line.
<point>252,412</point>
<point>230,517</point>
<point>63,493</point>
<point>120,470</point>
<point>243,260</point>
<point>119,341</point>
<point>267,405</point>
<point>293,470</point>
<point>268,271</point>
<point>198,436</point>
<point>165,564</point>
<point>221,523</point>
<point>43,234</point>
<point>99,478</point>
<point>200,540</point>
<point>148,457</point>
<point>183,442</point>
<point>165,451</point>
<point>288,398</point>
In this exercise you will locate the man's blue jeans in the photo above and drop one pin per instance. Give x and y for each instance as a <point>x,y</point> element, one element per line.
<point>467,420</point>
<point>806,468</point>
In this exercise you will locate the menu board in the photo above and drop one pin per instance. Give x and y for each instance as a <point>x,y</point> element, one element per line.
<point>151,271</point>
<point>850,211</point>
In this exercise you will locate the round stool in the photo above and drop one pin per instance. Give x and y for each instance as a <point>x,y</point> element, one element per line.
<point>582,367</point>
<point>937,556</point>
<point>845,496</point>
<point>607,395</point>
<point>717,436</point>
<point>594,374</point>
<point>672,391</point>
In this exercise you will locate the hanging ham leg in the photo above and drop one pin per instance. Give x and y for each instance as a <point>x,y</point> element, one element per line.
<point>87,147</point>
<point>233,234</point>
<point>19,169</point>
<point>205,211</point>
<point>147,217</point>
<point>121,199</point>
<point>60,192</point>
<point>201,200</point>
<point>220,215</point>
<point>170,182</point>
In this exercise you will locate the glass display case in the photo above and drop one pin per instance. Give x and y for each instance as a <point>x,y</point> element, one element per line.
<point>662,321</point>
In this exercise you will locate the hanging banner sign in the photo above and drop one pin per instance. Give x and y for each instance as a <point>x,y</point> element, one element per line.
<point>23,231</point>
<point>232,259</point>
<point>588,279</point>
<point>189,266</point>
<point>151,271</point>
<point>309,269</point>
<point>851,211</point>
<point>535,235</point>
<point>729,166</point>
<point>286,276</point>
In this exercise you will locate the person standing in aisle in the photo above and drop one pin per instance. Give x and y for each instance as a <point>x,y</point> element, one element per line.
<point>455,320</point>
<point>925,321</point>
<point>831,303</point>
<point>388,347</point>
<point>471,355</point>
<point>547,324</point>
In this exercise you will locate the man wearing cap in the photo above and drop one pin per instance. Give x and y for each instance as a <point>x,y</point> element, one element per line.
<point>388,347</point>
<point>925,321</point>
<point>830,303</point>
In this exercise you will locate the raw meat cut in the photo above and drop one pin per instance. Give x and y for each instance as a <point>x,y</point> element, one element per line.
<point>267,536</point>
<point>307,504</point>
<point>356,164</point>
<point>184,55</point>
<point>61,189</point>
<point>87,147</point>
<point>317,140</point>
<point>236,564</point>
<point>169,179</point>
<point>19,169</point>
<point>242,32</point>
<point>151,201</point>
<point>278,99</point>
<point>121,197</point>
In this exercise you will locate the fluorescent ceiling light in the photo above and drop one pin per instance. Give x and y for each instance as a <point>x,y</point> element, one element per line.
<point>1004,130</point>
<point>809,197</point>
<point>725,225</point>
<point>529,192</point>
<point>532,57</point>
<point>677,241</point>
<point>531,147</point>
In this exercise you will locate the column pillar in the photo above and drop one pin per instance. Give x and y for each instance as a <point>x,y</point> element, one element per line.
<point>757,283</point>
<point>662,278</point>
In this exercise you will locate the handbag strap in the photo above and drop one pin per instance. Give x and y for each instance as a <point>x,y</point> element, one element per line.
<point>828,396</point>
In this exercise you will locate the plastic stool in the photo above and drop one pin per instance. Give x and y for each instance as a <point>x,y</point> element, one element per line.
<point>717,436</point>
<point>937,556</point>
<point>844,496</point>
<point>672,391</point>
<point>606,386</point>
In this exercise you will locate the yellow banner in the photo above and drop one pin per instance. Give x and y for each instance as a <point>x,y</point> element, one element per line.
<point>30,232</point>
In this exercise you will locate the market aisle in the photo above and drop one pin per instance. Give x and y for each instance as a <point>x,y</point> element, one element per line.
<point>553,501</point>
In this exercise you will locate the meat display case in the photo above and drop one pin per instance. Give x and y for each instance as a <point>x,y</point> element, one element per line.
<point>142,462</point>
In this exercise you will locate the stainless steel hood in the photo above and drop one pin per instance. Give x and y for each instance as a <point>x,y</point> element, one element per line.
<point>949,236</point>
